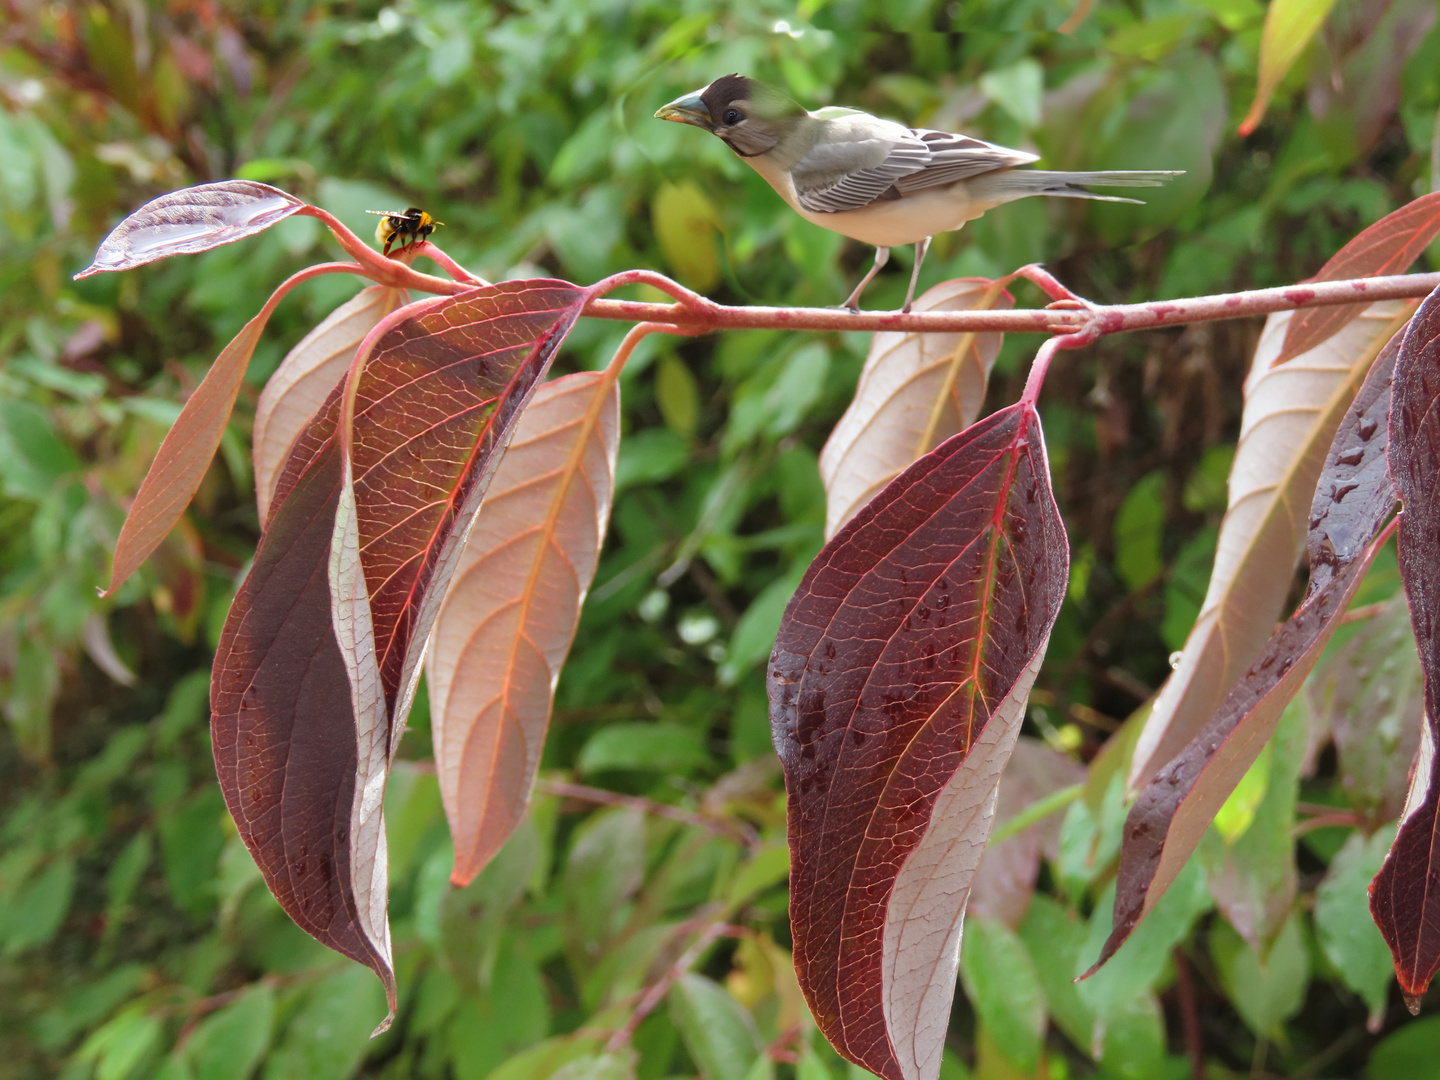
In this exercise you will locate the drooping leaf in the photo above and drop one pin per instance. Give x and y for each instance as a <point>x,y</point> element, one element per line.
<point>1005,880</point>
<point>513,605</point>
<point>897,687</point>
<point>1372,692</point>
<point>304,379</point>
<point>1289,26</point>
<point>1387,247</point>
<point>302,705</point>
<point>429,413</point>
<point>280,703</point>
<point>191,220</point>
<point>1405,892</point>
<point>1352,501</point>
<point>190,444</point>
<point>915,391</point>
<point>1291,414</point>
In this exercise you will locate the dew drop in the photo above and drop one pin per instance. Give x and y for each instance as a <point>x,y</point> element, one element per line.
<point>1175,658</point>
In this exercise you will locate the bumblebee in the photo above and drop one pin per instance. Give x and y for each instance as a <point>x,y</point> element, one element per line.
<point>408,226</point>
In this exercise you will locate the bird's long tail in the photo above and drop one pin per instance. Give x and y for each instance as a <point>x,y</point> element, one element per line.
<point>1008,184</point>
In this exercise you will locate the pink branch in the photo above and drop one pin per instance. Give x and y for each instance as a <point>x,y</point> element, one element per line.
<point>694,311</point>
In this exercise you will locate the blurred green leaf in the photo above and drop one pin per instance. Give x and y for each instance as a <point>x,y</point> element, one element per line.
<point>1139,527</point>
<point>327,1037</point>
<point>229,1043</point>
<point>1412,1052</point>
<point>1266,992</point>
<point>719,1034</point>
<point>33,457</point>
<point>1342,921</point>
<point>190,843</point>
<point>684,221</point>
<point>33,914</point>
<point>754,634</point>
<point>1017,89</point>
<point>646,747</point>
<point>1289,26</point>
<point>1004,988</point>
<point>122,1044</point>
<point>650,456</point>
<point>605,867</point>
<point>677,396</point>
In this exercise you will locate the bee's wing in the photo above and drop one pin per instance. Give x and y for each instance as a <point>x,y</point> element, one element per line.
<point>387,213</point>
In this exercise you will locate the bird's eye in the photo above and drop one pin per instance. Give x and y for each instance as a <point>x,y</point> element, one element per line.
<point>732,116</point>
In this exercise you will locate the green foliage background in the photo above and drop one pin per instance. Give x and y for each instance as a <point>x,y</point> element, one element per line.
<point>135,936</point>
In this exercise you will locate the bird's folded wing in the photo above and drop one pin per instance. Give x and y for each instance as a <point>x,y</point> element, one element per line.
<point>955,157</point>
<point>850,172</point>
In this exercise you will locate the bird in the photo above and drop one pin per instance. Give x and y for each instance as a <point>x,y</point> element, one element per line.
<point>875,180</point>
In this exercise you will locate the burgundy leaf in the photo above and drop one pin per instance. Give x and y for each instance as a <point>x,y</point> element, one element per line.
<point>434,406</point>
<point>282,729</point>
<point>897,688</point>
<point>1387,247</point>
<point>304,706</point>
<point>191,220</point>
<point>1347,514</point>
<point>1403,898</point>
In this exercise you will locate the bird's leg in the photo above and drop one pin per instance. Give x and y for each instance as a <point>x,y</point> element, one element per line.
<point>882,256</point>
<point>920,249</point>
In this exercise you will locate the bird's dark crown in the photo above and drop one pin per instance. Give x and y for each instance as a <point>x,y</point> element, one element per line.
<point>725,90</point>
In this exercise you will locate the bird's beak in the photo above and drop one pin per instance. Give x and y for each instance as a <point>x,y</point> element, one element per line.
<point>688,109</point>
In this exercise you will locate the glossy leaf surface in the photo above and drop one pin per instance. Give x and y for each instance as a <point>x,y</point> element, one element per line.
<point>512,608</point>
<point>1405,898</point>
<point>304,379</point>
<point>1353,499</point>
<point>302,723</point>
<point>915,391</point>
<point>1387,247</point>
<point>897,688</point>
<point>192,220</point>
<point>1291,414</point>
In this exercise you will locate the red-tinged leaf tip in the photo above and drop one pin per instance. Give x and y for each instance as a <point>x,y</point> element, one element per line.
<point>897,686</point>
<point>1405,895</point>
<point>192,220</point>
<point>1352,502</point>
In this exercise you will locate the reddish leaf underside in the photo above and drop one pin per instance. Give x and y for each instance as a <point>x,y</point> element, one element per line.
<point>897,686</point>
<point>1352,501</point>
<point>1387,247</point>
<point>1405,896</point>
<point>512,608</point>
<point>295,757</point>
<point>192,220</point>
<point>435,406</point>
